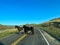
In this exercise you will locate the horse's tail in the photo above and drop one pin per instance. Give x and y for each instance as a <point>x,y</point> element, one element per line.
<point>32,29</point>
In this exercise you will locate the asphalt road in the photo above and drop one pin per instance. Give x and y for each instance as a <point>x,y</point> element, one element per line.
<point>36,39</point>
<point>9,39</point>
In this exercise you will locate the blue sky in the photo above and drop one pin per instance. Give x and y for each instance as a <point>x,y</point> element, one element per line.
<point>18,12</point>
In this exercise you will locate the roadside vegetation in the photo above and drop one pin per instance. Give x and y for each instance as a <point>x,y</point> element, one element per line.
<point>6,30</point>
<point>52,27</point>
<point>3,27</point>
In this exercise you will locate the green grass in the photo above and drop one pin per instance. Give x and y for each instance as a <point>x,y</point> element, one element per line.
<point>55,32</point>
<point>52,27</point>
<point>7,32</point>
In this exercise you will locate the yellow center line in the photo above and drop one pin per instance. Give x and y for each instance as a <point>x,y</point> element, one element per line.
<point>19,39</point>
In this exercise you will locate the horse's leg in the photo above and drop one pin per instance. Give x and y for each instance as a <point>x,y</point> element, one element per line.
<point>18,31</point>
<point>25,31</point>
<point>32,30</point>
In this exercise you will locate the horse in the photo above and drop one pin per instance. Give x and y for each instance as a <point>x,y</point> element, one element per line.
<point>19,28</point>
<point>28,28</point>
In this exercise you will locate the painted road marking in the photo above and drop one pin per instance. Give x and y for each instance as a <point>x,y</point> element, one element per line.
<point>18,40</point>
<point>44,37</point>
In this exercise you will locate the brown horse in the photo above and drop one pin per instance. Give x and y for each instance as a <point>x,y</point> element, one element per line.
<point>19,28</point>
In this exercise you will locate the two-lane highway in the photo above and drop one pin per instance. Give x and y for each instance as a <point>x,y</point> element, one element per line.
<point>23,39</point>
<point>36,39</point>
<point>9,39</point>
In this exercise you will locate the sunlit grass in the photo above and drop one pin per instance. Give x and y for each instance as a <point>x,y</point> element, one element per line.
<point>7,32</point>
<point>53,31</point>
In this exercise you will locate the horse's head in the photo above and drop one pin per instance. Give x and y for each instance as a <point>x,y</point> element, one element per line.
<point>16,26</point>
<point>24,26</point>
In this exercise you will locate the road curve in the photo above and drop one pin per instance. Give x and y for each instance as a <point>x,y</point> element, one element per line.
<point>9,39</point>
<point>36,39</point>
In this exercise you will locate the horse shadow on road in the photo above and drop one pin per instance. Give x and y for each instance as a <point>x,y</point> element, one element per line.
<point>19,33</point>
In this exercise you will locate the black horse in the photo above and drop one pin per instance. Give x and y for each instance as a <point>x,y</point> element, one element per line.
<point>27,28</point>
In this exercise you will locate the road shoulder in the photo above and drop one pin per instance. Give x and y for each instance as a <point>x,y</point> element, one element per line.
<point>51,40</point>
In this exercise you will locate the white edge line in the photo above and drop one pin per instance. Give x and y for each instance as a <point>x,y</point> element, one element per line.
<point>44,37</point>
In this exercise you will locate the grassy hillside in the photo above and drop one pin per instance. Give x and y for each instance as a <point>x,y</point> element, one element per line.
<point>6,30</point>
<point>3,27</point>
<point>52,27</point>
